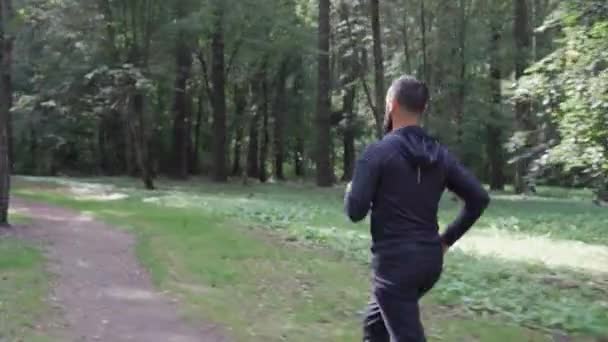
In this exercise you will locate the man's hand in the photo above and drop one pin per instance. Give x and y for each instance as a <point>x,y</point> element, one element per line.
<point>349,186</point>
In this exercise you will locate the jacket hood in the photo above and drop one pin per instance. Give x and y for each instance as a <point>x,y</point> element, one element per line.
<point>419,148</point>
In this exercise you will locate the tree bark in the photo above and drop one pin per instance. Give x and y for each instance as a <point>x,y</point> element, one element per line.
<point>195,164</point>
<point>181,110</point>
<point>129,153</point>
<point>140,139</point>
<point>218,74</point>
<point>252,147</point>
<point>378,67</point>
<point>461,88</point>
<point>325,173</point>
<point>278,111</point>
<point>493,128</point>
<point>240,104</point>
<point>521,33</point>
<point>6,51</point>
<point>263,171</point>
<point>348,138</point>
<point>406,45</point>
<point>297,109</point>
<point>351,66</point>
<point>425,63</point>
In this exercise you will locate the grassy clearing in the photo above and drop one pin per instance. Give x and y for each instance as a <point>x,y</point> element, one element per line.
<point>23,291</point>
<point>198,242</point>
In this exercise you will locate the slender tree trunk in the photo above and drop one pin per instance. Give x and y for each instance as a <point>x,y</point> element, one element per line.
<point>378,66</point>
<point>252,147</point>
<point>181,112</point>
<point>425,63</point>
<point>6,50</point>
<point>351,66</point>
<point>263,172</point>
<point>325,173</point>
<point>493,128</point>
<point>195,165</point>
<point>461,89</point>
<point>296,110</point>
<point>406,45</point>
<point>218,74</point>
<point>521,34</point>
<point>102,147</point>
<point>8,84</point>
<point>240,104</point>
<point>349,132</point>
<point>138,132</point>
<point>129,148</point>
<point>278,111</point>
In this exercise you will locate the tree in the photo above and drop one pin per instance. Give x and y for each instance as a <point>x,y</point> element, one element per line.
<point>278,110</point>
<point>218,74</point>
<point>350,68</point>
<point>182,117</point>
<point>101,91</point>
<point>265,138</point>
<point>521,34</point>
<point>240,104</point>
<point>570,85</point>
<point>6,52</point>
<point>494,128</point>
<point>325,174</point>
<point>378,66</point>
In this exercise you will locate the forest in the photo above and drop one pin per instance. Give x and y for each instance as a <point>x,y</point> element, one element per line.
<point>175,169</point>
<point>288,89</point>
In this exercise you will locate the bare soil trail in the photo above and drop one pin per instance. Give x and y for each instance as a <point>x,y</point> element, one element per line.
<point>103,291</point>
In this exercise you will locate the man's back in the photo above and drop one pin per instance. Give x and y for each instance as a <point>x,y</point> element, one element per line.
<point>403,177</point>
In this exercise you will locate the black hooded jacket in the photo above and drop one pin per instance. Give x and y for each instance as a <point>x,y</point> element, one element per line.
<point>402,178</point>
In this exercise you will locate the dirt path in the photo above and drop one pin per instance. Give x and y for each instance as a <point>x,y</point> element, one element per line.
<point>103,291</point>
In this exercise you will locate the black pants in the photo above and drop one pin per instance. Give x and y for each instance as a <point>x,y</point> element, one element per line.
<point>400,279</point>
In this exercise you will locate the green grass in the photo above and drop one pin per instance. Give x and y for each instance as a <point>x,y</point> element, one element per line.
<point>23,289</point>
<point>301,277</point>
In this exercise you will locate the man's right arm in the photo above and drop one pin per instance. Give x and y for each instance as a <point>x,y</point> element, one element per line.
<point>476,199</point>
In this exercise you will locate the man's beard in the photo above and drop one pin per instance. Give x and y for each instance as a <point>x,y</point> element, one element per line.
<point>388,123</point>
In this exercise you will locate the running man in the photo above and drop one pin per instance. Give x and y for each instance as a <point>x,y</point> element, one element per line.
<point>401,179</point>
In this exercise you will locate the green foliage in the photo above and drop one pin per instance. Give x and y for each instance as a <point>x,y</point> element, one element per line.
<point>572,85</point>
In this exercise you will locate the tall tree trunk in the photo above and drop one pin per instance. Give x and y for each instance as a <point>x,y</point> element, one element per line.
<point>252,147</point>
<point>378,66</point>
<point>103,161</point>
<point>181,110</point>
<point>493,128</point>
<point>521,33</point>
<point>425,63</point>
<point>218,74</point>
<point>296,110</point>
<point>351,66</point>
<point>6,51</point>
<point>461,89</point>
<point>129,153</point>
<point>240,104</point>
<point>406,44</point>
<point>348,138</point>
<point>140,140</point>
<point>325,173</point>
<point>263,171</point>
<point>195,165</point>
<point>278,113</point>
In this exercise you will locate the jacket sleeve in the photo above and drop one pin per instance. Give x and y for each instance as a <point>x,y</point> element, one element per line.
<point>358,199</point>
<point>476,199</point>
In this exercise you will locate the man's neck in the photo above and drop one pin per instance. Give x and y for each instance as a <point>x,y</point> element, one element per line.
<point>405,122</point>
